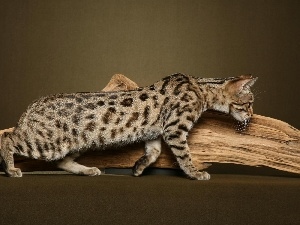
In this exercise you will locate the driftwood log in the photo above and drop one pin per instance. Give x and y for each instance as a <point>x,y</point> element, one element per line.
<point>267,142</point>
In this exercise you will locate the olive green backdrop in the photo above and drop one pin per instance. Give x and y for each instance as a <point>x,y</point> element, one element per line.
<point>69,46</point>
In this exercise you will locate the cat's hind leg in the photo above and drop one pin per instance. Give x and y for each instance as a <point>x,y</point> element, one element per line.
<point>7,156</point>
<point>152,151</point>
<point>68,164</point>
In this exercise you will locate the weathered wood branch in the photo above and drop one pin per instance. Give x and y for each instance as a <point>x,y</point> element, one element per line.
<point>267,142</point>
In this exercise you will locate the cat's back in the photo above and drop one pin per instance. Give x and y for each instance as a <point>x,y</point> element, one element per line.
<point>74,106</point>
<point>88,112</point>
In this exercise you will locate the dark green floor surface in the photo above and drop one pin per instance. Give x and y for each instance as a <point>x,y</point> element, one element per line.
<point>150,199</point>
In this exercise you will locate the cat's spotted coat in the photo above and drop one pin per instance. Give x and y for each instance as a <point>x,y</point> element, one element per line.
<point>60,127</point>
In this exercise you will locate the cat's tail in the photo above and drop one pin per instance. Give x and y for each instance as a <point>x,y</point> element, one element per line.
<point>1,135</point>
<point>0,147</point>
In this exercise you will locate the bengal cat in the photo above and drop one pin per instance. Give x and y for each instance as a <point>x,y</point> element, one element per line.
<point>62,126</point>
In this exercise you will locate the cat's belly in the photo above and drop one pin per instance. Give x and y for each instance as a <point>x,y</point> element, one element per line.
<point>115,136</point>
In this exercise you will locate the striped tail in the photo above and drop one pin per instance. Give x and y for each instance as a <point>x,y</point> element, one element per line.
<point>1,147</point>
<point>1,134</point>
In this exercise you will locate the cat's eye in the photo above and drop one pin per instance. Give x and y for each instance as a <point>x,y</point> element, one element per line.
<point>237,105</point>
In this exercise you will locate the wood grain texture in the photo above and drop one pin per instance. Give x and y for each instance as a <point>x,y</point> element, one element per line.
<point>266,142</point>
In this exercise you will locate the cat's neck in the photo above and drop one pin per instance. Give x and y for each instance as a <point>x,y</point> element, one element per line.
<point>215,99</point>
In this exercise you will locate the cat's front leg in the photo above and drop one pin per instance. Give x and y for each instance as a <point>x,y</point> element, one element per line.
<point>177,141</point>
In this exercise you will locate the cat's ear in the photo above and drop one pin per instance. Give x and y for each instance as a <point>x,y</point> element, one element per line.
<point>238,84</point>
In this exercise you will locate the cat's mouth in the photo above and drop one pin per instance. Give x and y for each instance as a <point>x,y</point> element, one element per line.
<point>241,126</point>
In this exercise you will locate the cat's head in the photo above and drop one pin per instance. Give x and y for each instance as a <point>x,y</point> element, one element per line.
<point>240,99</point>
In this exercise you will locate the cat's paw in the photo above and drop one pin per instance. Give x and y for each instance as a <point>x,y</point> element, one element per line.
<point>136,173</point>
<point>15,172</point>
<point>139,167</point>
<point>202,176</point>
<point>93,171</point>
